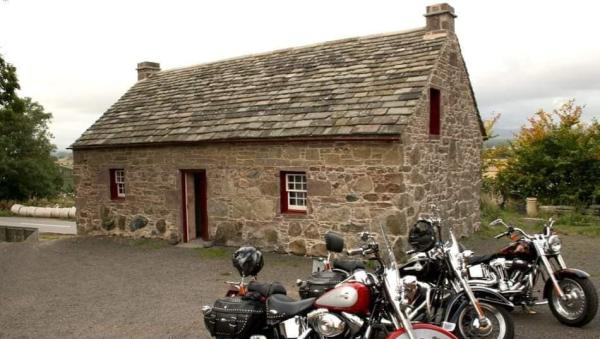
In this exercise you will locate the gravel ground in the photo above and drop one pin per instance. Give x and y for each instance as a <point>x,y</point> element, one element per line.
<point>105,287</point>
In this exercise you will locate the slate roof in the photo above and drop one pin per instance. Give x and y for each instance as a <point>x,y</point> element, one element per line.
<point>364,86</point>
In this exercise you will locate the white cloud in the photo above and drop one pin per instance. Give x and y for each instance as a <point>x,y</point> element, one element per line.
<point>78,57</point>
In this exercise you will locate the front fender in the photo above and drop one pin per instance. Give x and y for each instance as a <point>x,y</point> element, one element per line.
<point>491,296</point>
<point>483,294</point>
<point>564,273</point>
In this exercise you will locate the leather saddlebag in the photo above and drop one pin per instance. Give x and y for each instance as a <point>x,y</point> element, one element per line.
<point>235,317</point>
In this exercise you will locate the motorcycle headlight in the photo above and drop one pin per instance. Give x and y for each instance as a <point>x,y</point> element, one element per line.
<point>554,244</point>
<point>327,324</point>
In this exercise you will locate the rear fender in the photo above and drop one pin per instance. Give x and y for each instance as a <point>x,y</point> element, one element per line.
<point>564,273</point>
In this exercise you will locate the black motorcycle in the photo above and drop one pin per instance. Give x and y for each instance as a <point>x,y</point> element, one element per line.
<point>515,270</point>
<point>449,300</point>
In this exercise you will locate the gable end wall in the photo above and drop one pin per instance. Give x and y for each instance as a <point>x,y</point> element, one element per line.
<point>446,169</point>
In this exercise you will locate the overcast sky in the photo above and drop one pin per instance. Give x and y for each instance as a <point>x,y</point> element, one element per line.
<point>78,57</point>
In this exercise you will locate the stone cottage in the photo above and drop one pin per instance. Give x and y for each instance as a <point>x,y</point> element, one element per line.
<point>276,149</point>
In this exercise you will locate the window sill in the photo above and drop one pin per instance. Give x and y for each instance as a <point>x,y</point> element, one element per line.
<point>117,199</point>
<point>292,214</point>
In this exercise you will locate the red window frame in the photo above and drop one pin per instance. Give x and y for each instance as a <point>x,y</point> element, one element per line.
<point>435,112</point>
<point>285,203</point>
<point>114,185</point>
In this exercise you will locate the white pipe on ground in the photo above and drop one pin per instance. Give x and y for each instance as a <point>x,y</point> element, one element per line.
<point>15,208</point>
<point>43,212</point>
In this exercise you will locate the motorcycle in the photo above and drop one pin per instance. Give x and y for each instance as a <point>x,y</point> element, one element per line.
<point>469,311</point>
<point>328,272</point>
<point>381,298</point>
<point>365,305</point>
<point>515,270</point>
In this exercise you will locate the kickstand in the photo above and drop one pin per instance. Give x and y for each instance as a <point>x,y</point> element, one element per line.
<point>528,309</point>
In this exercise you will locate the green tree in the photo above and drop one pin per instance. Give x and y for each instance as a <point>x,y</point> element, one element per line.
<point>27,168</point>
<point>556,158</point>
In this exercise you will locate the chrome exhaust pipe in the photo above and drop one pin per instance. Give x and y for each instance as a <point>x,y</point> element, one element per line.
<point>488,282</point>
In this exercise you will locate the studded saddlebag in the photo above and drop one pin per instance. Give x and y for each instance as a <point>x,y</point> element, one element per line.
<point>235,318</point>
<point>319,283</point>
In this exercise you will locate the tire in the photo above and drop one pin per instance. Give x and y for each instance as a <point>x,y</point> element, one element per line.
<point>581,313</point>
<point>424,331</point>
<point>503,326</point>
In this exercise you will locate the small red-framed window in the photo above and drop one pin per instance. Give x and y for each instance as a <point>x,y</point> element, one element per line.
<point>294,192</point>
<point>117,183</point>
<point>434,112</point>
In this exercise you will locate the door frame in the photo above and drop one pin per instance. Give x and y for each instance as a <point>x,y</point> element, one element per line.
<point>203,203</point>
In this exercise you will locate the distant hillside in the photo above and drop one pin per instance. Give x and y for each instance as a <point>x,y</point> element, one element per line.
<point>65,164</point>
<point>497,141</point>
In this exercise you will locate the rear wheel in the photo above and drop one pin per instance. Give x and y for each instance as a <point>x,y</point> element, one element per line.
<point>501,323</point>
<point>580,304</point>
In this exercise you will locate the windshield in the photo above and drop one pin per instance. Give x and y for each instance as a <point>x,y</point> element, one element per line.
<point>386,250</point>
<point>453,249</point>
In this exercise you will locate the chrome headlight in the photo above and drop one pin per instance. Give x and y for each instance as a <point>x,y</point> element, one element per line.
<point>327,324</point>
<point>554,244</point>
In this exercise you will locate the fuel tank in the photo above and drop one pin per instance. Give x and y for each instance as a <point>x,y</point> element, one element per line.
<point>351,297</point>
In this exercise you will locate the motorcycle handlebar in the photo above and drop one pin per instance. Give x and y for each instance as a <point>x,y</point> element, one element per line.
<point>500,235</point>
<point>354,251</point>
<point>496,222</point>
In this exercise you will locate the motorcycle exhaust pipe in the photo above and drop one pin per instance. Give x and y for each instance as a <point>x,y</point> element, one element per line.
<point>491,282</point>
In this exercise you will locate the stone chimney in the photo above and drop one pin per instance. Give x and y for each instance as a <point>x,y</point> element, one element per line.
<point>440,17</point>
<point>146,69</point>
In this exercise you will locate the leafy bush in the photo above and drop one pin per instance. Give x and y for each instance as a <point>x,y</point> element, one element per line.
<point>556,159</point>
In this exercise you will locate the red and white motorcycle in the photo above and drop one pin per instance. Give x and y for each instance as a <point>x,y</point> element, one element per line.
<point>365,305</point>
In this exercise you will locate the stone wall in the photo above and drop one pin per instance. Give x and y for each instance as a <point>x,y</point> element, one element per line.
<point>349,185</point>
<point>446,169</point>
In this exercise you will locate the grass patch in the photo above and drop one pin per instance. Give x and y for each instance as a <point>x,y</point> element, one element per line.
<point>566,223</point>
<point>6,213</point>
<point>213,252</point>
<point>148,244</point>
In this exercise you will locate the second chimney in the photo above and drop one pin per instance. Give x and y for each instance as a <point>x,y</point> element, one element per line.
<point>146,69</point>
<point>440,17</point>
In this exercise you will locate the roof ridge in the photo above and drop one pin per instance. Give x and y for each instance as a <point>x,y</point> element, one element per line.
<point>275,51</point>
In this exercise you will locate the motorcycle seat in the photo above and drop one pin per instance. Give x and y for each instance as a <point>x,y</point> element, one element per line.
<point>281,306</point>
<point>479,259</point>
<point>348,265</point>
<point>266,289</point>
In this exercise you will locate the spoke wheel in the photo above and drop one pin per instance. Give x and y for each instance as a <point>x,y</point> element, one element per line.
<point>579,305</point>
<point>502,326</point>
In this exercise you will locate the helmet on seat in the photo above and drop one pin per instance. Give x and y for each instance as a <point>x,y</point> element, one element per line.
<point>422,236</point>
<point>248,260</point>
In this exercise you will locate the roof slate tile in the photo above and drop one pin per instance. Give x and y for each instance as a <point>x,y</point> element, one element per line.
<point>366,85</point>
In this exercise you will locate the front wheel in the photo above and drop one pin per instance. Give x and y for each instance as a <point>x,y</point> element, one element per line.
<point>424,331</point>
<point>580,304</point>
<point>501,323</point>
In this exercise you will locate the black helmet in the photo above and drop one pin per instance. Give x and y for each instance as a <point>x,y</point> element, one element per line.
<point>422,236</point>
<point>248,261</point>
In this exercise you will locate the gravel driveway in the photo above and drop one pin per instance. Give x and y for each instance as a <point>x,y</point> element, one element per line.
<point>83,287</point>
